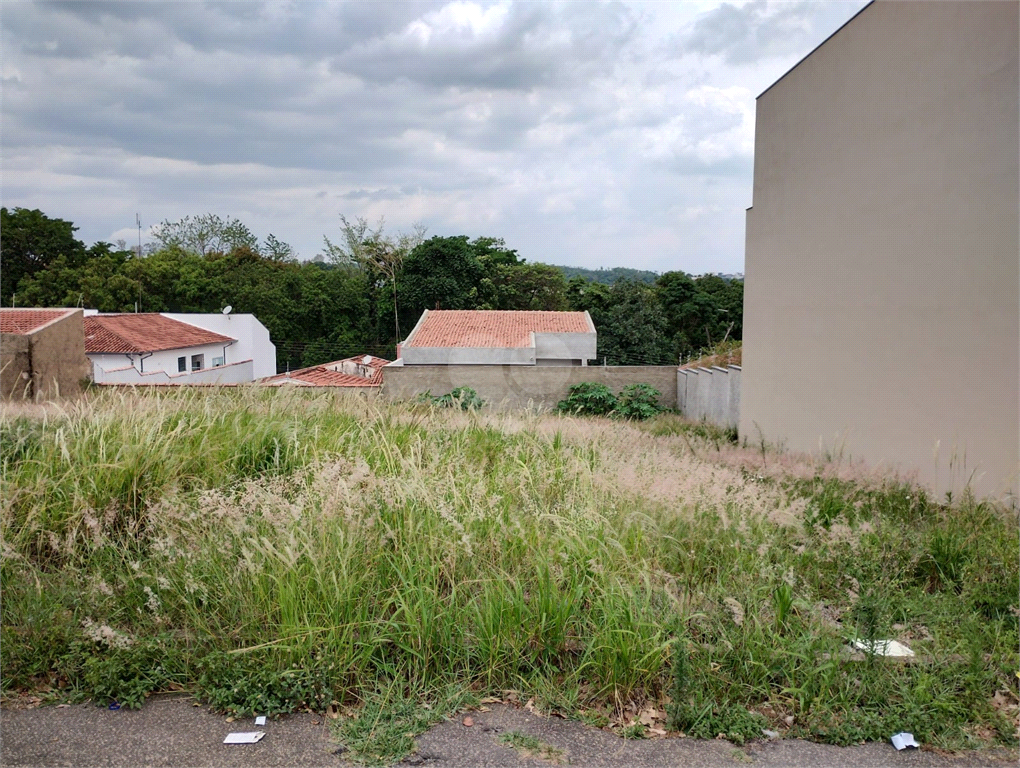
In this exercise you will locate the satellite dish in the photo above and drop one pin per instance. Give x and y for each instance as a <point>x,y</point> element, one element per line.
<point>228,309</point>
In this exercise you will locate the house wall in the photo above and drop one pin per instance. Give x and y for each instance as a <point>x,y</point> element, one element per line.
<point>252,338</point>
<point>59,364</point>
<point>233,373</point>
<point>565,346</point>
<point>881,253</point>
<point>515,386</point>
<point>15,366</point>
<point>164,360</point>
<point>550,348</point>
<point>467,355</point>
<point>46,364</point>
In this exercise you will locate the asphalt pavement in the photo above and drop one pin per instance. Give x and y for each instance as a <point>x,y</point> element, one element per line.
<point>171,731</point>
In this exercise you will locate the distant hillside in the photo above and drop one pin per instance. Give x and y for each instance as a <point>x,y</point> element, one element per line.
<point>609,276</point>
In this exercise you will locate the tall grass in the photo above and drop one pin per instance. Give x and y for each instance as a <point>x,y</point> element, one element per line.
<point>276,550</point>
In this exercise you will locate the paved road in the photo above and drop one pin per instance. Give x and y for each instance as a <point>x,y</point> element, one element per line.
<point>170,731</point>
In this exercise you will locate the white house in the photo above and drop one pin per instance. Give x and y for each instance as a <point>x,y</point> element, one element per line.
<point>252,338</point>
<point>494,337</point>
<point>152,348</point>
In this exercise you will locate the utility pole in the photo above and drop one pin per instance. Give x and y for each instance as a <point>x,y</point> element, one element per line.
<point>138,221</point>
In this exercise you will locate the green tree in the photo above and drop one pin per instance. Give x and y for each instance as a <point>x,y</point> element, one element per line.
<point>375,252</point>
<point>632,328</point>
<point>524,286</point>
<point>204,234</point>
<point>609,276</point>
<point>440,273</point>
<point>175,280</point>
<point>277,250</point>
<point>700,311</point>
<point>492,251</point>
<point>29,242</point>
<point>584,294</point>
<point>96,281</point>
<point>336,318</point>
<point>729,296</point>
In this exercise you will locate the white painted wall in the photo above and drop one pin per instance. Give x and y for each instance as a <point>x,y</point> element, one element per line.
<point>234,373</point>
<point>164,360</point>
<point>252,338</point>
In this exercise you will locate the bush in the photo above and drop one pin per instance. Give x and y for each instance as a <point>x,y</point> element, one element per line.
<point>638,401</point>
<point>588,399</point>
<point>125,675</point>
<point>463,397</point>
<point>246,685</point>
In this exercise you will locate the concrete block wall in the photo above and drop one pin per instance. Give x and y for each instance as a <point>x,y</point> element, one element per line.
<point>710,394</point>
<point>519,386</point>
<point>46,364</point>
<point>15,366</point>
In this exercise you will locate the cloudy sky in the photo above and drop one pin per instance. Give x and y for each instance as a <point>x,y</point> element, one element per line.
<point>616,134</point>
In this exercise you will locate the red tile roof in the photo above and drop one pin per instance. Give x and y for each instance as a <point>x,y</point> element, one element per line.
<point>24,321</point>
<point>144,332</point>
<point>330,375</point>
<point>492,328</point>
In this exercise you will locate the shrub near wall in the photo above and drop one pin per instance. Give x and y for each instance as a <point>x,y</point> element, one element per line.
<point>636,401</point>
<point>588,399</point>
<point>511,387</point>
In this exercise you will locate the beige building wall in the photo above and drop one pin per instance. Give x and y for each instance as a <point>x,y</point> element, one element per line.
<point>47,363</point>
<point>881,311</point>
<point>59,364</point>
<point>15,367</point>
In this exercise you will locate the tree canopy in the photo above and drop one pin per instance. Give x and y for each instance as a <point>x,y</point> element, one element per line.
<point>368,290</point>
<point>29,242</point>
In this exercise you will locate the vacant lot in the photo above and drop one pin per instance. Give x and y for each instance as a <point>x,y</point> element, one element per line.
<point>274,551</point>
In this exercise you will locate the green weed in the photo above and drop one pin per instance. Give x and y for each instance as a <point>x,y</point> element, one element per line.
<point>529,746</point>
<point>382,729</point>
<point>464,398</point>
<point>275,551</point>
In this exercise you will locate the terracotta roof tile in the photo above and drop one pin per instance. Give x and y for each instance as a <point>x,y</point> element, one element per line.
<point>492,328</point>
<point>332,375</point>
<point>24,321</point>
<point>144,332</point>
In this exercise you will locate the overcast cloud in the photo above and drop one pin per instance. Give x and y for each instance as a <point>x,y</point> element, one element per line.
<point>616,134</point>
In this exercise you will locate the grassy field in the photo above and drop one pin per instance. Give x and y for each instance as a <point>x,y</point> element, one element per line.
<point>275,550</point>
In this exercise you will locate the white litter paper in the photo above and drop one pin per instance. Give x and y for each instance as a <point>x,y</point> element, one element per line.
<point>903,740</point>
<point>260,720</point>
<point>890,648</point>
<point>244,738</point>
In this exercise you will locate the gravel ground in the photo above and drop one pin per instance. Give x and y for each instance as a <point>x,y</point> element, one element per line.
<point>171,731</point>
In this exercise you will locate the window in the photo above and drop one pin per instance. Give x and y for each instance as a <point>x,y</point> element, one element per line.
<point>182,365</point>
<point>197,362</point>
<point>217,362</point>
